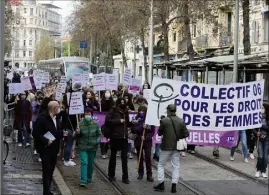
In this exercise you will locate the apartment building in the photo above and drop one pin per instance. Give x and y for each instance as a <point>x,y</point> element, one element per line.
<point>32,20</point>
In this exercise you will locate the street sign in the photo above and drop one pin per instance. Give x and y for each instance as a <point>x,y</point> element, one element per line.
<point>83,44</point>
<point>158,58</point>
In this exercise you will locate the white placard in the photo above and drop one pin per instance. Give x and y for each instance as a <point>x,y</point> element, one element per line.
<point>38,78</point>
<point>146,94</point>
<point>111,82</point>
<point>127,76</point>
<point>26,83</point>
<point>99,83</point>
<point>10,75</point>
<point>46,77</point>
<point>76,104</point>
<point>134,88</point>
<point>77,81</point>
<point>58,95</point>
<point>208,107</point>
<point>178,78</point>
<point>85,78</point>
<point>15,88</point>
<point>91,76</point>
<point>63,79</point>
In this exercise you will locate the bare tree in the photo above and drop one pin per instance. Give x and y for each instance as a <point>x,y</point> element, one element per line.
<point>246,39</point>
<point>45,48</point>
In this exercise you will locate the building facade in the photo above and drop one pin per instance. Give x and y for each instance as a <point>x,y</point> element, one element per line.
<point>32,20</point>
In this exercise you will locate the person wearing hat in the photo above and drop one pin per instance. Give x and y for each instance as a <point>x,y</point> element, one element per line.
<point>171,128</point>
<point>89,135</point>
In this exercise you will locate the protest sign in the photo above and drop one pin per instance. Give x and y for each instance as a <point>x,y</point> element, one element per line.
<point>146,94</point>
<point>85,79</point>
<point>26,83</point>
<point>77,81</point>
<point>58,95</point>
<point>178,78</point>
<point>61,87</point>
<point>63,79</point>
<point>111,82</point>
<point>46,77</point>
<point>134,87</point>
<point>99,82</point>
<point>127,76</point>
<point>15,88</point>
<point>38,78</point>
<point>208,107</point>
<point>76,103</point>
<point>202,138</point>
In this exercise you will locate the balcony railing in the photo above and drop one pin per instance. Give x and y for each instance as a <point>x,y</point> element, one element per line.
<point>225,39</point>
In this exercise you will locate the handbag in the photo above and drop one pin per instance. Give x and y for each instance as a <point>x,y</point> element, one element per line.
<point>181,143</point>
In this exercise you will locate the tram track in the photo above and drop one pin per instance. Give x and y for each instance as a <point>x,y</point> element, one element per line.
<point>230,169</point>
<point>113,184</point>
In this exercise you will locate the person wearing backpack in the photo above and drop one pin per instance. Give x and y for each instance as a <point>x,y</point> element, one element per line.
<point>172,128</point>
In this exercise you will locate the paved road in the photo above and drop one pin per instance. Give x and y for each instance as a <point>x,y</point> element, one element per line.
<point>23,173</point>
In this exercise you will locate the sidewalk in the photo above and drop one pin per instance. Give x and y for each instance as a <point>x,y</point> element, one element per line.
<point>238,164</point>
<point>23,173</point>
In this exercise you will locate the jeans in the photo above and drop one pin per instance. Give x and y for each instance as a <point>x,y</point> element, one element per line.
<point>243,137</point>
<point>104,148</point>
<point>157,150</point>
<point>129,148</point>
<point>23,133</point>
<point>164,156</point>
<point>263,155</point>
<point>116,145</point>
<point>86,168</point>
<point>68,145</point>
<point>147,151</point>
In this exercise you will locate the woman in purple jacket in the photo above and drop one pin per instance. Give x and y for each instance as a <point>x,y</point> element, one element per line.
<point>147,145</point>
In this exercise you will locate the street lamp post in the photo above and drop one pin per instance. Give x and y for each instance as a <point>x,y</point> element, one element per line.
<point>150,48</point>
<point>235,66</point>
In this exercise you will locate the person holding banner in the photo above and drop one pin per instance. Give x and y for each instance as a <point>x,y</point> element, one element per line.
<point>89,138</point>
<point>262,145</point>
<point>172,128</point>
<point>143,142</point>
<point>118,121</point>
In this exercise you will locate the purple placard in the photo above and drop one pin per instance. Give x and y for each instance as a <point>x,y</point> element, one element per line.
<point>196,137</point>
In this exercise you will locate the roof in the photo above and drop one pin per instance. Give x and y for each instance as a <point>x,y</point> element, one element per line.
<point>49,5</point>
<point>66,59</point>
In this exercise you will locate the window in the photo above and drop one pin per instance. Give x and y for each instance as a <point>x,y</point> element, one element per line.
<point>36,11</point>
<point>24,42</point>
<point>17,54</point>
<point>24,32</point>
<point>24,20</point>
<point>25,65</point>
<point>43,23</point>
<point>31,11</point>
<point>17,44</point>
<point>35,33</point>
<point>194,30</point>
<point>255,32</point>
<point>30,42</point>
<point>266,27</point>
<point>35,21</point>
<point>31,31</point>
<point>175,37</point>
<point>45,15</point>
<point>229,23</point>
<point>25,10</point>
<point>30,53</point>
<point>39,22</point>
<point>24,53</point>
<point>31,20</point>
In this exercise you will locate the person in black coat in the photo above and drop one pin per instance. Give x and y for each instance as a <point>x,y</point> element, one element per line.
<point>91,102</point>
<point>118,122</point>
<point>48,148</point>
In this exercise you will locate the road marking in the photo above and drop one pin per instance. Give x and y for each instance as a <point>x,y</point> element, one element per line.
<point>22,176</point>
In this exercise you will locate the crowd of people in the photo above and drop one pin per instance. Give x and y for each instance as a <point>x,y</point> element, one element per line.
<point>36,114</point>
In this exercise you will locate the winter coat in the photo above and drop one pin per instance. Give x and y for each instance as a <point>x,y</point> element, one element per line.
<point>89,135</point>
<point>26,117</point>
<point>166,129</point>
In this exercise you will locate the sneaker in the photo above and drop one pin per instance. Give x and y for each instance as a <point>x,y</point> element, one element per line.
<point>150,179</point>
<point>20,144</point>
<point>174,188</point>
<point>140,177</point>
<point>82,185</point>
<point>264,175</point>
<point>183,154</point>
<point>130,156</point>
<point>35,152</point>
<point>192,152</point>
<point>104,156</point>
<point>257,174</point>
<point>69,164</point>
<point>231,158</point>
<point>39,160</point>
<point>118,154</point>
<point>251,156</point>
<point>28,144</point>
<point>111,179</point>
<point>246,160</point>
